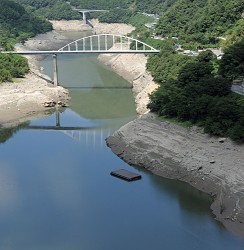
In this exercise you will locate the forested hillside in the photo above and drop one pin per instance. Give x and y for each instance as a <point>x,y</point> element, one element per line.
<point>102,4</point>
<point>50,9</point>
<point>149,6</point>
<point>16,25</point>
<point>120,11</point>
<point>195,22</point>
<point>195,89</point>
<point>200,91</point>
<point>202,21</point>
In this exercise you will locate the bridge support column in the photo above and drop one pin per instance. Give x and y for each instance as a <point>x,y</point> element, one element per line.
<point>55,70</point>
<point>84,17</point>
<point>57,119</point>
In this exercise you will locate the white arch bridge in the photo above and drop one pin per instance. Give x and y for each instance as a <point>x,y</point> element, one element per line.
<point>100,44</point>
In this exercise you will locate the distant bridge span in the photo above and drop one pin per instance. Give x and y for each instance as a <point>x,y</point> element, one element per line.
<point>84,11</point>
<point>100,44</point>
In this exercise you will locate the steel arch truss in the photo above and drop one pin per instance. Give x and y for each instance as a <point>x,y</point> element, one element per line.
<point>108,43</point>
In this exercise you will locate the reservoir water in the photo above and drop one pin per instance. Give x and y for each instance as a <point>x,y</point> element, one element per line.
<point>56,191</point>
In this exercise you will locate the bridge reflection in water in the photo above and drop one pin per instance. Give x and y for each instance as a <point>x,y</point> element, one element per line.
<point>90,135</point>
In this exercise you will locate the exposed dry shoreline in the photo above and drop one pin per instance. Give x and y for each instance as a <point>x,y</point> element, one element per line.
<point>207,163</point>
<point>163,148</point>
<point>188,155</point>
<point>132,67</point>
<point>34,94</point>
<point>212,165</point>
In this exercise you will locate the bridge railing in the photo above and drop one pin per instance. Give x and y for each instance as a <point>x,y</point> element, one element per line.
<point>101,44</point>
<point>108,43</point>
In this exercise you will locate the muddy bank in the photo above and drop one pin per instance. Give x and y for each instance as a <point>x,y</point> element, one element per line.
<point>209,164</point>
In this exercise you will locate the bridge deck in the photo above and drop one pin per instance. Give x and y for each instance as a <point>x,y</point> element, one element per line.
<point>49,52</point>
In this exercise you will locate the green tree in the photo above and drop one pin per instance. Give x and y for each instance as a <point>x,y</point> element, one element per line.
<point>200,96</point>
<point>232,63</point>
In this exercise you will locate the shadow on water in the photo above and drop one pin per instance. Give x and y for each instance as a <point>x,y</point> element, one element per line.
<point>190,199</point>
<point>7,133</point>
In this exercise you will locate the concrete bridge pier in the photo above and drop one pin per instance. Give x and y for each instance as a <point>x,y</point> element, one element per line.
<point>84,16</point>
<point>55,70</point>
<point>57,118</point>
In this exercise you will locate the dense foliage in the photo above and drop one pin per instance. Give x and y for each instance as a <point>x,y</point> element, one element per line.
<point>101,4</point>
<point>154,6</point>
<point>195,22</point>
<point>201,21</point>
<point>167,64</point>
<point>192,89</point>
<point>14,66</point>
<point>16,25</point>
<point>234,34</point>
<point>232,63</point>
<point>149,6</point>
<point>50,9</point>
<point>124,11</point>
<point>116,16</point>
<point>138,20</point>
<point>202,96</point>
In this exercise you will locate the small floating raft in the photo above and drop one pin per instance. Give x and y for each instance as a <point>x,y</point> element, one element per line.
<point>126,175</point>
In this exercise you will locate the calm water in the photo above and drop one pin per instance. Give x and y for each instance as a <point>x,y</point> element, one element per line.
<point>56,191</point>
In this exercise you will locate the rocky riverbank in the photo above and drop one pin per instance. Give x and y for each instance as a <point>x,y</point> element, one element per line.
<point>209,164</point>
<point>212,165</point>
<point>34,94</point>
<point>99,28</point>
<point>132,67</point>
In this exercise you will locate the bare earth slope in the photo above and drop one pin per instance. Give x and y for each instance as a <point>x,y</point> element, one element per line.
<point>209,164</point>
<point>188,155</point>
<point>132,67</point>
<point>163,148</point>
<point>31,95</point>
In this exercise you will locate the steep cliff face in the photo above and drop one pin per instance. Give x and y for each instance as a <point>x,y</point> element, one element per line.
<point>132,67</point>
